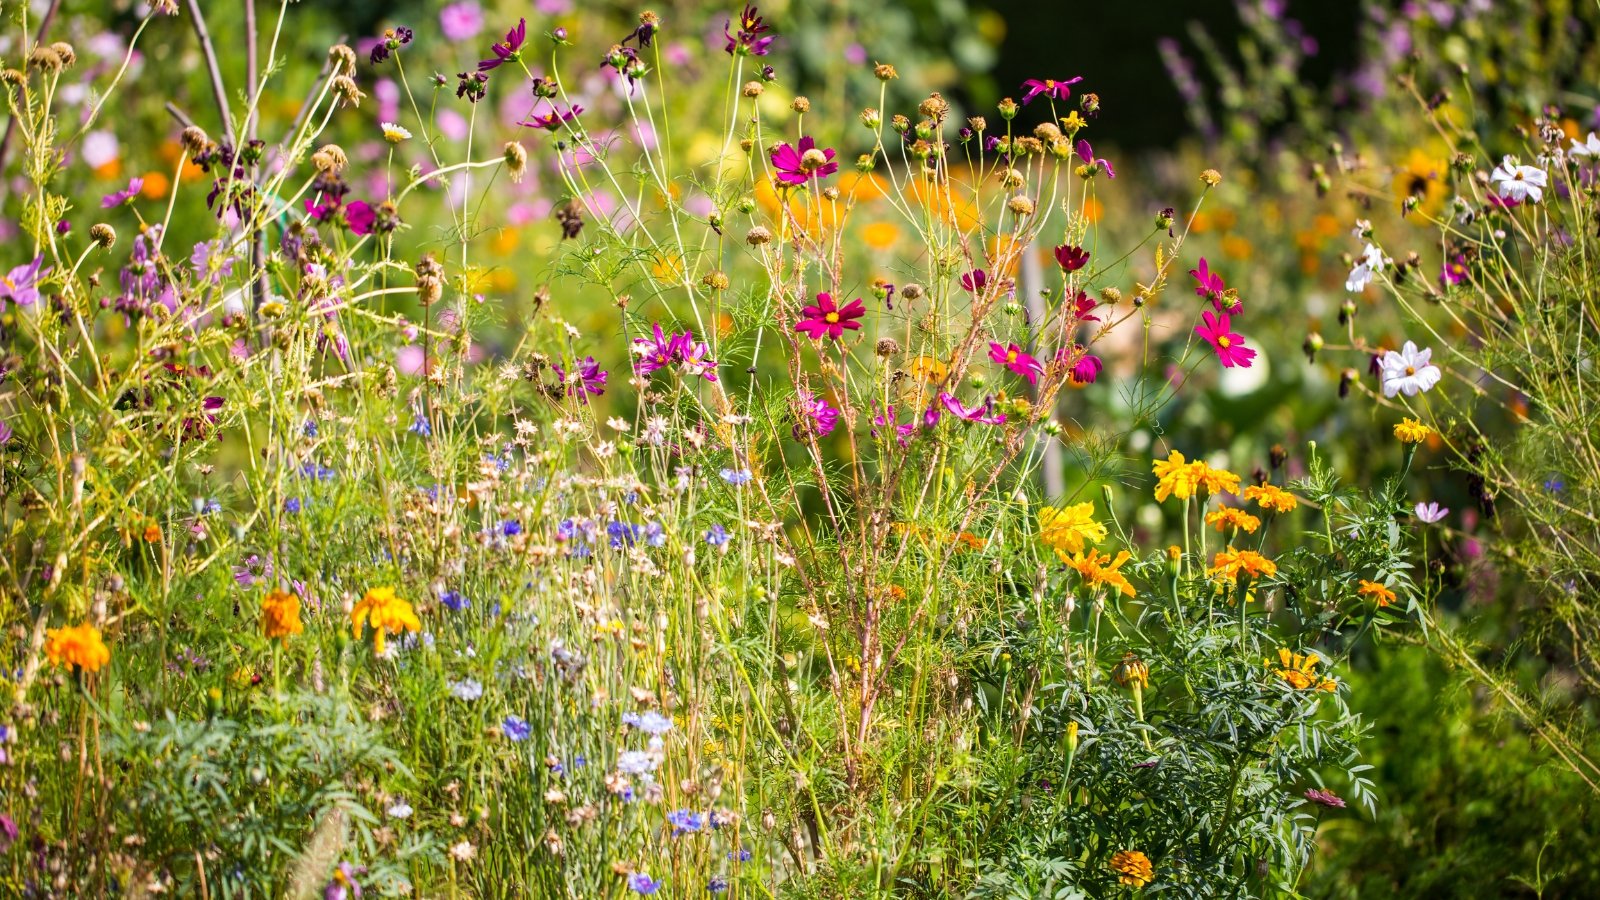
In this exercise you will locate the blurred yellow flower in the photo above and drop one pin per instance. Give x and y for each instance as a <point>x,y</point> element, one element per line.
<point>1272,497</point>
<point>1299,671</point>
<point>1067,530</point>
<point>1233,517</point>
<point>1230,562</point>
<point>1217,481</point>
<point>1133,868</point>
<point>385,613</point>
<point>880,235</point>
<point>78,645</point>
<point>1379,593</point>
<point>1099,568</point>
<point>280,615</point>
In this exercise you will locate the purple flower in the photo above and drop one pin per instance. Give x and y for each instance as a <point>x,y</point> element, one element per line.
<point>591,379</point>
<point>642,883</point>
<point>388,42</point>
<point>975,280</point>
<point>1431,512</point>
<point>717,536</point>
<point>118,198</point>
<point>1055,90</point>
<point>210,264</point>
<point>657,351</point>
<point>823,418</point>
<point>8,832</point>
<point>461,21</point>
<point>1087,369</point>
<point>697,359</point>
<point>748,39</point>
<point>1071,258</point>
<point>1325,798</point>
<point>984,414</point>
<point>1210,286</point>
<point>1454,271</point>
<point>361,217</point>
<point>1086,153</point>
<point>1017,360</point>
<point>21,285</point>
<point>454,601</point>
<point>516,729</point>
<point>510,50</point>
<point>736,477</point>
<point>797,165</point>
<point>343,884</point>
<point>554,119</point>
<point>685,821</point>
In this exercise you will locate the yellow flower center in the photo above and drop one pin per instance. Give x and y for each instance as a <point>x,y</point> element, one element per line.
<point>1224,343</point>
<point>1411,370</point>
<point>1011,356</point>
<point>831,318</point>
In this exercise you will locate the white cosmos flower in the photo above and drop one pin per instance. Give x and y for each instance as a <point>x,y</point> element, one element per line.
<point>1590,147</point>
<point>393,133</point>
<point>1431,512</point>
<point>400,809</point>
<point>1408,371</point>
<point>1366,269</point>
<point>1519,183</point>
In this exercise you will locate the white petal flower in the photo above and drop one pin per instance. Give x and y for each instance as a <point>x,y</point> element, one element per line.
<point>1518,182</point>
<point>393,133</point>
<point>1408,371</point>
<point>1590,147</point>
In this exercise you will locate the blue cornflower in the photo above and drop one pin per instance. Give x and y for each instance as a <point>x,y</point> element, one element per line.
<point>420,426</point>
<point>309,429</point>
<point>1555,484</point>
<point>516,728</point>
<point>654,534</point>
<point>454,601</point>
<point>291,505</point>
<point>566,530</point>
<point>717,536</point>
<point>510,527</point>
<point>742,855</point>
<point>622,534</point>
<point>211,506</point>
<point>736,477</point>
<point>630,497</point>
<point>501,463</point>
<point>717,884</point>
<point>642,883</point>
<point>685,821</point>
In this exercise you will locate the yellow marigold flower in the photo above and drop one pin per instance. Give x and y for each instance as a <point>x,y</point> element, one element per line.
<point>152,533</point>
<point>1230,562</point>
<point>385,612</point>
<point>1233,517</point>
<point>78,645</point>
<point>1133,868</point>
<point>1131,671</point>
<point>1272,497</point>
<point>1299,671</point>
<point>1068,530</point>
<point>1099,568</point>
<point>1217,481</point>
<point>1175,477</point>
<point>1379,593</point>
<point>1174,552</point>
<point>280,615</point>
<point>1410,431</point>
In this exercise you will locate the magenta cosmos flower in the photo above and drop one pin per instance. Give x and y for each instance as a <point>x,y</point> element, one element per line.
<point>816,416</point>
<point>797,165</point>
<point>975,280</point>
<point>509,50</point>
<point>1083,306</point>
<point>1071,258</point>
<point>588,378</point>
<point>553,119</point>
<point>1055,90</point>
<point>117,198</point>
<point>21,285</point>
<point>826,318</point>
<point>1012,357</point>
<point>984,415</point>
<point>1086,153</point>
<point>1210,286</point>
<point>1218,330</point>
<point>751,39</point>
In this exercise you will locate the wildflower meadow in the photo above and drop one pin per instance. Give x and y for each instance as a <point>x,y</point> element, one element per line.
<point>466,448</point>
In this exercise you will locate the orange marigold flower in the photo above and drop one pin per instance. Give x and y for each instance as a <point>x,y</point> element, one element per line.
<point>1410,431</point>
<point>152,533</point>
<point>1099,568</point>
<point>78,645</point>
<point>1067,530</point>
<point>1133,868</point>
<point>1175,477</point>
<point>1230,562</point>
<point>1299,671</point>
<point>1217,481</point>
<point>385,612</point>
<point>1131,671</point>
<point>1233,517</point>
<point>1272,497</point>
<point>280,615</point>
<point>1379,593</point>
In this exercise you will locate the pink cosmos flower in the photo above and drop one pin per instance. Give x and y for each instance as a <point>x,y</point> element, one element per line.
<point>975,280</point>
<point>554,119</point>
<point>1048,87</point>
<point>21,284</point>
<point>1012,357</point>
<point>112,200</point>
<point>1087,369</point>
<point>799,165</point>
<point>826,318</point>
<point>360,216</point>
<point>510,50</point>
<point>984,414</point>
<point>461,21</point>
<point>1086,153</point>
<point>1070,258</point>
<point>1084,305</point>
<point>1230,347</point>
<point>815,410</point>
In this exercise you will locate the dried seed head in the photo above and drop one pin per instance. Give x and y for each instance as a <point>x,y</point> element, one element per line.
<point>1211,177</point>
<point>717,281</point>
<point>1028,146</point>
<point>884,72</point>
<point>757,236</point>
<point>871,118</point>
<point>935,107</point>
<point>45,58</point>
<point>65,51</point>
<point>753,89</point>
<point>1012,178</point>
<point>801,105</point>
<point>813,159</point>
<point>887,347</point>
<point>330,159</point>
<point>12,77</point>
<point>912,292</point>
<point>516,161</point>
<point>103,234</point>
<point>342,55</point>
<point>345,87</point>
<point>978,124</point>
<point>1111,295</point>
<point>194,140</point>
<point>1020,206</point>
<point>1047,132</point>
